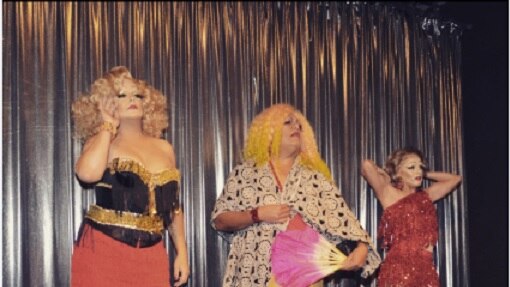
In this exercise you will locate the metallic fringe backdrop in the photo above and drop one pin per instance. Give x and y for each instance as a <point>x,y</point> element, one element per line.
<point>370,77</point>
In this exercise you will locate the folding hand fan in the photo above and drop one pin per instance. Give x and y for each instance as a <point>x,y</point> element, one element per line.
<point>302,257</point>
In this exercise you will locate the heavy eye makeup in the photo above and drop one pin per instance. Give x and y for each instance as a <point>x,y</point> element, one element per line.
<point>415,166</point>
<point>138,96</point>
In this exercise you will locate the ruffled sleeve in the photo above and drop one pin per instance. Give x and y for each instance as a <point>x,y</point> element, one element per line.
<point>229,199</point>
<point>321,205</point>
<point>168,201</point>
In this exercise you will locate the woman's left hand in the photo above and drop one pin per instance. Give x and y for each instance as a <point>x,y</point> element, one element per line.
<point>357,258</point>
<point>181,270</point>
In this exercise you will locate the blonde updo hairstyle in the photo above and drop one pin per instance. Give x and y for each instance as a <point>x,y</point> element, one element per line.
<point>85,110</point>
<point>265,137</point>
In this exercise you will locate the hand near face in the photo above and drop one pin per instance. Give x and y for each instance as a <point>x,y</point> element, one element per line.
<point>108,108</point>
<point>278,213</point>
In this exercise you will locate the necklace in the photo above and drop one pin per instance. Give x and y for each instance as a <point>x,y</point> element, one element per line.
<point>278,183</point>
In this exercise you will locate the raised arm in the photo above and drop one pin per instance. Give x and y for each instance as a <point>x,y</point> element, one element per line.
<point>444,183</point>
<point>94,157</point>
<point>376,177</point>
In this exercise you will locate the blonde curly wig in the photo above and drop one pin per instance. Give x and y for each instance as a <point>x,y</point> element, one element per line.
<point>87,117</point>
<point>265,136</point>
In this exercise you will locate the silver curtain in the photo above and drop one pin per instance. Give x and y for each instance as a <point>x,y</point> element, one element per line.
<point>370,78</point>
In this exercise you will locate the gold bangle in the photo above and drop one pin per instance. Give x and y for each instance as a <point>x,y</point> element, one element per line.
<point>107,126</point>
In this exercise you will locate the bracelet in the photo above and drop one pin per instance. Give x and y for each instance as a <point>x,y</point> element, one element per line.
<point>107,126</point>
<point>255,215</point>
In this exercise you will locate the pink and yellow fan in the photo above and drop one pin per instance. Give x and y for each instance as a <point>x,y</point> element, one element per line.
<point>300,258</point>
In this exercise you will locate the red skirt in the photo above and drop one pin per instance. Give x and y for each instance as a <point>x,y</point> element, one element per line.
<point>99,260</point>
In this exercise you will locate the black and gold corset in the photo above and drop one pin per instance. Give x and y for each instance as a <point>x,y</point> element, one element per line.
<point>134,205</point>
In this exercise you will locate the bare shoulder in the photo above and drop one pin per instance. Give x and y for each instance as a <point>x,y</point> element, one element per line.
<point>390,195</point>
<point>166,148</point>
<point>164,145</point>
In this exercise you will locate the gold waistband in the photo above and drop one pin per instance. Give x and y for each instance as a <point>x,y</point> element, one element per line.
<point>125,219</point>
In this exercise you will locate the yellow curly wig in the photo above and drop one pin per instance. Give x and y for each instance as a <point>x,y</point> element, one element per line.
<point>265,136</point>
<point>86,114</point>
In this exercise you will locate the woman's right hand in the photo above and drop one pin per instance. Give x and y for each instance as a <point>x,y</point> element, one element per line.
<point>108,108</point>
<point>94,157</point>
<point>277,213</point>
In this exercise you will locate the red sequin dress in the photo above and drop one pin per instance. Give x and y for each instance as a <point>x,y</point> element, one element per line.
<point>407,228</point>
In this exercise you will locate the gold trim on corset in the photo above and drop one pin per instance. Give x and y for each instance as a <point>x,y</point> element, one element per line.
<point>130,220</point>
<point>151,179</point>
<point>158,178</point>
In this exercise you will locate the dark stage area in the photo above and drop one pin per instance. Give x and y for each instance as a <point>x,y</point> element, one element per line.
<point>485,104</point>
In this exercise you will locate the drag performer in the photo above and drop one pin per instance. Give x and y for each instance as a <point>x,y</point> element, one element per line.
<point>408,227</point>
<point>282,178</point>
<point>136,184</point>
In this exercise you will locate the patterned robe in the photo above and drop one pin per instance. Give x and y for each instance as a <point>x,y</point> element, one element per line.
<point>308,192</point>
